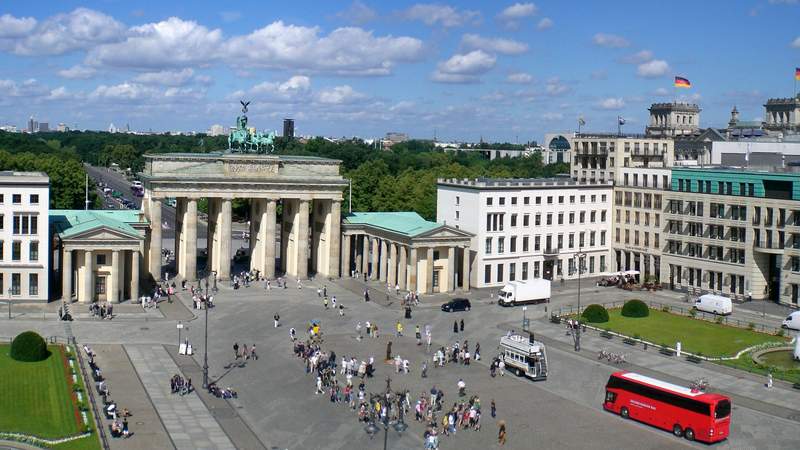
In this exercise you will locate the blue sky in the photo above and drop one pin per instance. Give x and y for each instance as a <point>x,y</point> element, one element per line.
<point>504,71</point>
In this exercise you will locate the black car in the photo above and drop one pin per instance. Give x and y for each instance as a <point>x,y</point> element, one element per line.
<point>457,304</point>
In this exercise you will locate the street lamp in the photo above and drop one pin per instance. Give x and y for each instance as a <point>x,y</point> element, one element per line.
<point>10,291</point>
<point>205,347</point>
<point>576,333</point>
<point>386,398</point>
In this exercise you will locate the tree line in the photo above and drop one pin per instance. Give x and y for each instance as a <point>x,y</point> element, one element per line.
<point>402,178</point>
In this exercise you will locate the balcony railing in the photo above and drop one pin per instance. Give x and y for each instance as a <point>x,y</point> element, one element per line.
<point>551,251</point>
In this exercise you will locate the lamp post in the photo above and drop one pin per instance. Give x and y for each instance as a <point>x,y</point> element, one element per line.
<point>10,291</point>
<point>205,346</point>
<point>386,399</point>
<point>581,255</point>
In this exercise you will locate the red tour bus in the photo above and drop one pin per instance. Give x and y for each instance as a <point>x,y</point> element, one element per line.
<point>693,414</point>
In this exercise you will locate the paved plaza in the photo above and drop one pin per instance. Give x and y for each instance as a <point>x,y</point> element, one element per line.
<point>277,407</point>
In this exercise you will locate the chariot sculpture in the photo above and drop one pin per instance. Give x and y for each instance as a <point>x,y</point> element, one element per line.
<point>242,140</point>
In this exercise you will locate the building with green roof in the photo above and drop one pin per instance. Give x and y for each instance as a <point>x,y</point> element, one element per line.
<point>97,254</point>
<point>406,251</point>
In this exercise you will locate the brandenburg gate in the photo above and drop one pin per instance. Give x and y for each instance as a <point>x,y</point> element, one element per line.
<point>306,190</point>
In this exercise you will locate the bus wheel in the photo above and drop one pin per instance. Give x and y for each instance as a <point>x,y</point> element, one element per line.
<point>519,372</point>
<point>689,434</point>
<point>624,413</point>
<point>677,431</point>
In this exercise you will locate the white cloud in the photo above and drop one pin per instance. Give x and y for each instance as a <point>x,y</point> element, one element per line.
<point>77,72</point>
<point>294,90</point>
<point>431,14</point>
<point>796,43</point>
<point>552,116</point>
<point>638,57</point>
<point>348,50</point>
<point>464,68</point>
<point>122,92</point>
<point>496,45</point>
<point>60,93</point>
<point>27,88</point>
<point>783,2</point>
<point>661,92</point>
<point>13,27</point>
<point>519,78</point>
<point>62,33</point>
<point>358,13</point>
<point>611,103</point>
<point>518,11</point>
<point>610,40</point>
<point>166,77</point>
<point>653,69</point>
<point>544,24</point>
<point>340,95</point>
<point>170,43</point>
<point>555,87</point>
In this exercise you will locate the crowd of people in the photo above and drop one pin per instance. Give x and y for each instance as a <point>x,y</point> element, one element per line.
<point>119,420</point>
<point>102,311</point>
<point>180,385</point>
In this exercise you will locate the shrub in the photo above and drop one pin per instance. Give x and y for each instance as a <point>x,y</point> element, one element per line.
<point>595,314</point>
<point>635,308</point>
<point>780,332</point>
<point>693,313</point>
<point>665,308</point>
<point>29,347</point>
<point>751,326</point>
<point>719,320</point>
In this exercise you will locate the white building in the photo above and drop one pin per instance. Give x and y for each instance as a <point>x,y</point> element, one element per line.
<point>529,228</point>
<point>24,244</point>
<point>216,130</point>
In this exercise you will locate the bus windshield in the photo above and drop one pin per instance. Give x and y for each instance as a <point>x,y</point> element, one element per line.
<point>722,410</point>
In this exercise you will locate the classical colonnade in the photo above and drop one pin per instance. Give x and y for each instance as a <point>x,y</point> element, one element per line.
<point>409,266</point>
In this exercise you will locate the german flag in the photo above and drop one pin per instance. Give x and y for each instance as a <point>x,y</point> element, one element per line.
<point>681,82</point>
<point>797,73</point>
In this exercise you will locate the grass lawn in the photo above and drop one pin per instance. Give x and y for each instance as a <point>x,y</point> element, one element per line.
<point>36,399</point>
<point>696,336</point>
<point>745,362</point>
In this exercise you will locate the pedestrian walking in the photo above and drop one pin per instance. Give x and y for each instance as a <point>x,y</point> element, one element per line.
<point>341,310</point>
<point>501,433</point>
<point>236,349</point>
<point>325,292</point>
<point>455,326</point>
<point>477,351</point>
<point>277,319</point>
<point>325,302</point>
<point>319,292</point>
<point>494,409</point>
<point>333,301</point>
<point>418,335</point>
<point>399,327</point>
<point>502,366</point>
<point>462,325</point>
<point>292,334</point>
<point>769,380</point>
<point>253,353</point>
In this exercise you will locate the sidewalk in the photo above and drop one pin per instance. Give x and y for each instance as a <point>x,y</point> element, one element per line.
<point>746,389</point>
<point>189,424</point>
<point>127,391</point>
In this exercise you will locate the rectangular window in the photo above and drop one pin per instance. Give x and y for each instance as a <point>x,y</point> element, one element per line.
<point>513,200</point>
<point>602,238</point>
<point>488,201</point>
<point>458,200</point>
<point>488,246</point>
<point>513,244</point>
<point>561,218</point>
<point>501,243</point>
<point>572,217</point>
<point>15,284</point>
<point>16,251</point>
<point>101,260</point>
<point>593,216</point>
<point>537,241</point>
<point>34,224</point>
<point>100,285</point>
<point>512,269</point>
<point>549,218</point>
<point>560,199</point>
<point>16,224</point>
<point>526,200</point>
<point>34,251</point>
<point>582,216</point>
<point>33,284</point>
<point>502,201</point>
<point>2,255</point>
<point>538,200</point>
<point>499,273</point>
<point>538,220</point>
<point>524,271</point>
<point>3,221</point>
<point>16,199</point>
<point>513,220</point>
<point>536,269</point>
<point>525,242</point>
<point>487,273</point>
<point>526,220</point>
<point>34,199</point>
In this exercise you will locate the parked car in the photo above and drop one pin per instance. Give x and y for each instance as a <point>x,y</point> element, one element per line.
<point>457,304</point>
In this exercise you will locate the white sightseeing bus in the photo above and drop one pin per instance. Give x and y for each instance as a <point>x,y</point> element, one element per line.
<point>524,356</point>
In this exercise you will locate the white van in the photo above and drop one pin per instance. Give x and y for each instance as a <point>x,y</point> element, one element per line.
<point>793,321</point>
<point>715,304</point>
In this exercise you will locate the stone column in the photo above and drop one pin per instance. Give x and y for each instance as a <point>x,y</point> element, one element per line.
<point>365,255</point>
<point>334,244</point>
<point>225,240</point>
<point>402,267</point>
<point>268,225</point>
<point>189,257</point>
<point>88,276</point>
<point>316,263</point>
<point>357,254</point>
<point>384,259</point>
<point>66,273</point>
<point>412,277</point>
<point>155,239</point>
<point>345,255</point>
<point>135,275</point>
<point>465,270</point>
<point>253,227</point>
<point>429,271</point>
<point>451,269</point>
<point>113,280</point>
<point>375,253</point>
<point>178,242</point>
<point>392,265</point>
<point>211,234</point>
<point>302,241</point>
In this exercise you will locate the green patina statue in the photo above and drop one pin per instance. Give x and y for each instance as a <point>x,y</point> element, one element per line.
<point>242,140</point>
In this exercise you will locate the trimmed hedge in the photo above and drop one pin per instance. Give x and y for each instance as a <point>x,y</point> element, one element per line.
<point>595,314</point>
<point>635,308</point>
<point>29,347</point>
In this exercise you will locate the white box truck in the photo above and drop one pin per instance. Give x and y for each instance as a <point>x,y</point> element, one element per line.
<point>715,304</point>
<point>532,291</point>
